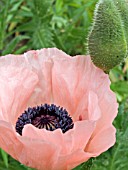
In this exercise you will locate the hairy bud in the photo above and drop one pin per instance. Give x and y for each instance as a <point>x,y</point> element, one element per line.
<point>107,43</point>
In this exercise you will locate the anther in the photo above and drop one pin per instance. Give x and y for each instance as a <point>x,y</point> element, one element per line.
<point>45,116</point>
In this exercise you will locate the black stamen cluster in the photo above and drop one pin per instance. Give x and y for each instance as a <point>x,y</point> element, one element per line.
<point>45,116</point>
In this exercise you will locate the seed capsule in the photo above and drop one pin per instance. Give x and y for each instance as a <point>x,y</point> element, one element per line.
<point>106,42</point>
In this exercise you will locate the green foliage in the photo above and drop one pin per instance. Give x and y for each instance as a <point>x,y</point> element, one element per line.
<point>4,157</point>
<point>43,37</point>
<point>121,88</point>
<point>41,7</point>
<point>37,24</point>
<point>8,163</point>
<point>84,166</point>
<point>64,24</point>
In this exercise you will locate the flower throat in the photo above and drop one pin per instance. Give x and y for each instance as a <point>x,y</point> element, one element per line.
<point>49,117</point>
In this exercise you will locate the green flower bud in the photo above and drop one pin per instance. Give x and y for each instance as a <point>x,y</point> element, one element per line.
<point>122,6</point>
<point>106,42</point>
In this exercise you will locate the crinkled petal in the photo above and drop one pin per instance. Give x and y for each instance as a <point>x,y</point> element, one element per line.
<point>81,88</point>
<point>9,141</point>
<point>72,160</point>
<point>68,144</point>
<point>66,81</point>
<point>17,83</point>
<point>42,64</point>
<point>39,154</point>
<point>51,76</point>
<point>93,111</point>
<point>109,109</point>
<point>68,78</point>
<point>102,141</point>
<point>56,82</point>
<point>69,140</point>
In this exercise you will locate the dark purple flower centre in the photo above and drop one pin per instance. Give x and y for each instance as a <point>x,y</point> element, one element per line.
<point>45,116</point>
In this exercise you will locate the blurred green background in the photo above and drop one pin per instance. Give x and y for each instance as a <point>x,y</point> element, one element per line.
<point>64,24</point>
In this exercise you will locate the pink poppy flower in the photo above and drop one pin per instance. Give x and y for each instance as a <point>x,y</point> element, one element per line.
<point>32,86</point>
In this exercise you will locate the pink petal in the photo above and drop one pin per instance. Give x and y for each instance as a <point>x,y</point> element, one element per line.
<point>9,141</point>
<point>94,112</point>
<point>70,87</point>
<point>17,83</point>
<point>72,160</point>
<point>102,141</point>
<point>109,109</point>
<point>39,154</point>
<point>42,63</point>
<point>56,82</point>
<point>69,140</point>
<point>71,82</point>
<point>67,145</point>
